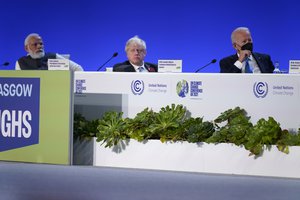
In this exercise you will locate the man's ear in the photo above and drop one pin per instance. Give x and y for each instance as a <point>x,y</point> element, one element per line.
<point>234,45</point>
<point>26,48</point>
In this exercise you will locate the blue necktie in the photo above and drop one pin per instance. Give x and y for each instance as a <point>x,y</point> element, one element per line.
<point>247,66</point>
<point>141,69</point>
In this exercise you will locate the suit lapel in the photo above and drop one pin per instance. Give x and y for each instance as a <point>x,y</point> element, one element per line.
<point>258,60</point>
<point>130,68</point>
<point>149,68</point>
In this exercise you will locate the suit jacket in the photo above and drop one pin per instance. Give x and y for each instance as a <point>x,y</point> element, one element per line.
<point>127,67</point>
<point>264,63</point>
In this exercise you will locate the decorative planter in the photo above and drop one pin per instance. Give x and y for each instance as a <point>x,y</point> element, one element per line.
<point>201,157</point>
<point>83,151</point>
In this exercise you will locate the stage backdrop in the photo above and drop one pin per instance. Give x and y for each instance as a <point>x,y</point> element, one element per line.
<point>191,30</point>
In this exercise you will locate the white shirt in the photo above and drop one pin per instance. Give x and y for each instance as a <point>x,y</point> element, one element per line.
<point>137,68</point>
<point>252,62</point>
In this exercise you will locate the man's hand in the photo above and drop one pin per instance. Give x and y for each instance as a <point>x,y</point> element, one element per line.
<point>244,54</point>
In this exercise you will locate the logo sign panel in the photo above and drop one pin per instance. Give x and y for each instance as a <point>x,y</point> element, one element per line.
<point>19,112</point>
<point>182,88</point>
<point>192,89</point>
<point>137,87</point>
<point>80,86</point>
<point>260,89</point>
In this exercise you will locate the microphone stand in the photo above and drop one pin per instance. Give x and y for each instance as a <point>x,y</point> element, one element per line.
<point>114,55</point>
<point>213,61</point>
<point>5,64</point>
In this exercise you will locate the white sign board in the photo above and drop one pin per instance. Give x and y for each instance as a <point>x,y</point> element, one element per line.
<point>206,95</point>
<point>58,64</point>
<point>294,67</point>
<point>169,65</point>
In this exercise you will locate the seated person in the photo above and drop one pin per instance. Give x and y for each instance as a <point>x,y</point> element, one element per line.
<point>136,51</point>
<point>36,58</point>
<point>245,60</point>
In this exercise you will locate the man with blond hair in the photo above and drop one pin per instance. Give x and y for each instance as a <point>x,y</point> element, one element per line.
<point>135,49</point>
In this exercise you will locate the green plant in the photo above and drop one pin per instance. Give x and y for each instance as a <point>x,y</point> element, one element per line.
<point>173,123</point>
<point>111,129</point>
<point>287,140</point>
<point>84,128</point>
<point>167,123</point>
<point>196,130</point>
<point>265,132</point>
<point>237,126</point>
<point>138,127</point>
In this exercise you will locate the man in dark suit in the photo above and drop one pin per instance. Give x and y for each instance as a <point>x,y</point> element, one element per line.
<point>136,51</point>
<point>245,60</point>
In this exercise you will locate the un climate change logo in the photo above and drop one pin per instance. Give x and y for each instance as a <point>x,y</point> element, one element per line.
<point>260,89</point>
<point>137,87</point>
<point>182,88</point>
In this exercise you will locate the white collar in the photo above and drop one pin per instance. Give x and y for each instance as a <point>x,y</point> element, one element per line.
<point>136,67</point>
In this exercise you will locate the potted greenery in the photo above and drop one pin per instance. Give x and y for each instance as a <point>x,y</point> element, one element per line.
<point>174,123</point>
<point>173,140</point>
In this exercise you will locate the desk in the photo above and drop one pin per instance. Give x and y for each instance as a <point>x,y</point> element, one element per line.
<point>204,95</point>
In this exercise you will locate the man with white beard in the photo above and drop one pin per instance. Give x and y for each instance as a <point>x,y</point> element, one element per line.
<point>36,58</point>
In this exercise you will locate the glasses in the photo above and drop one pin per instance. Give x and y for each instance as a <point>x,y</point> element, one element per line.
<point>137,50</point>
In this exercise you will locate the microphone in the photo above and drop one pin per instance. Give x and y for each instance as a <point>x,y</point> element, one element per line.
<point>114,55</point>
<point>213,61</point>
<point>5,64</point>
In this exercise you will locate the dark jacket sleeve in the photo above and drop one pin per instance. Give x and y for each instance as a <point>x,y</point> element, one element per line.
<point>227,65</point>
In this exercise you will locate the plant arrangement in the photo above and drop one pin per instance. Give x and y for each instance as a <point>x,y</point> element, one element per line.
<point>174,123</point>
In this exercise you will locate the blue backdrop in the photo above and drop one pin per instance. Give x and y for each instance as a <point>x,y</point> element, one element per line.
<point>192,30</point>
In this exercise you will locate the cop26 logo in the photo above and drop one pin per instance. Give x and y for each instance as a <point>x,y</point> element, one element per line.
<point>182,88</point>
<point>19,112</point>
<point>260,89</point>
<point>137,87</point>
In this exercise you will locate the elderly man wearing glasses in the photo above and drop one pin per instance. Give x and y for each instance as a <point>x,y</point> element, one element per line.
<point>136,51</point>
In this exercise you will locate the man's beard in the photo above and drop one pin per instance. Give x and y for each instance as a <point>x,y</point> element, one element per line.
<point>37,55</point>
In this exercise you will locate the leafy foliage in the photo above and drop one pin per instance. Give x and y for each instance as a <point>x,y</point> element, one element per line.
<point>196,130</point>
<point>138,127</point>
<point>172,123</point>
<point>236,128</point>
<point>287,140</point>
<point>111,129</point>
<point>84,128</point>
<point>167,123</point>
<point>265,132</point>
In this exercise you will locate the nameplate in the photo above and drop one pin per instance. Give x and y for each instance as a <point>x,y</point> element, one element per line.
<point>169,65</point>
<point>109,69</point>
<point>294,67</point>
<point>58,64</point>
